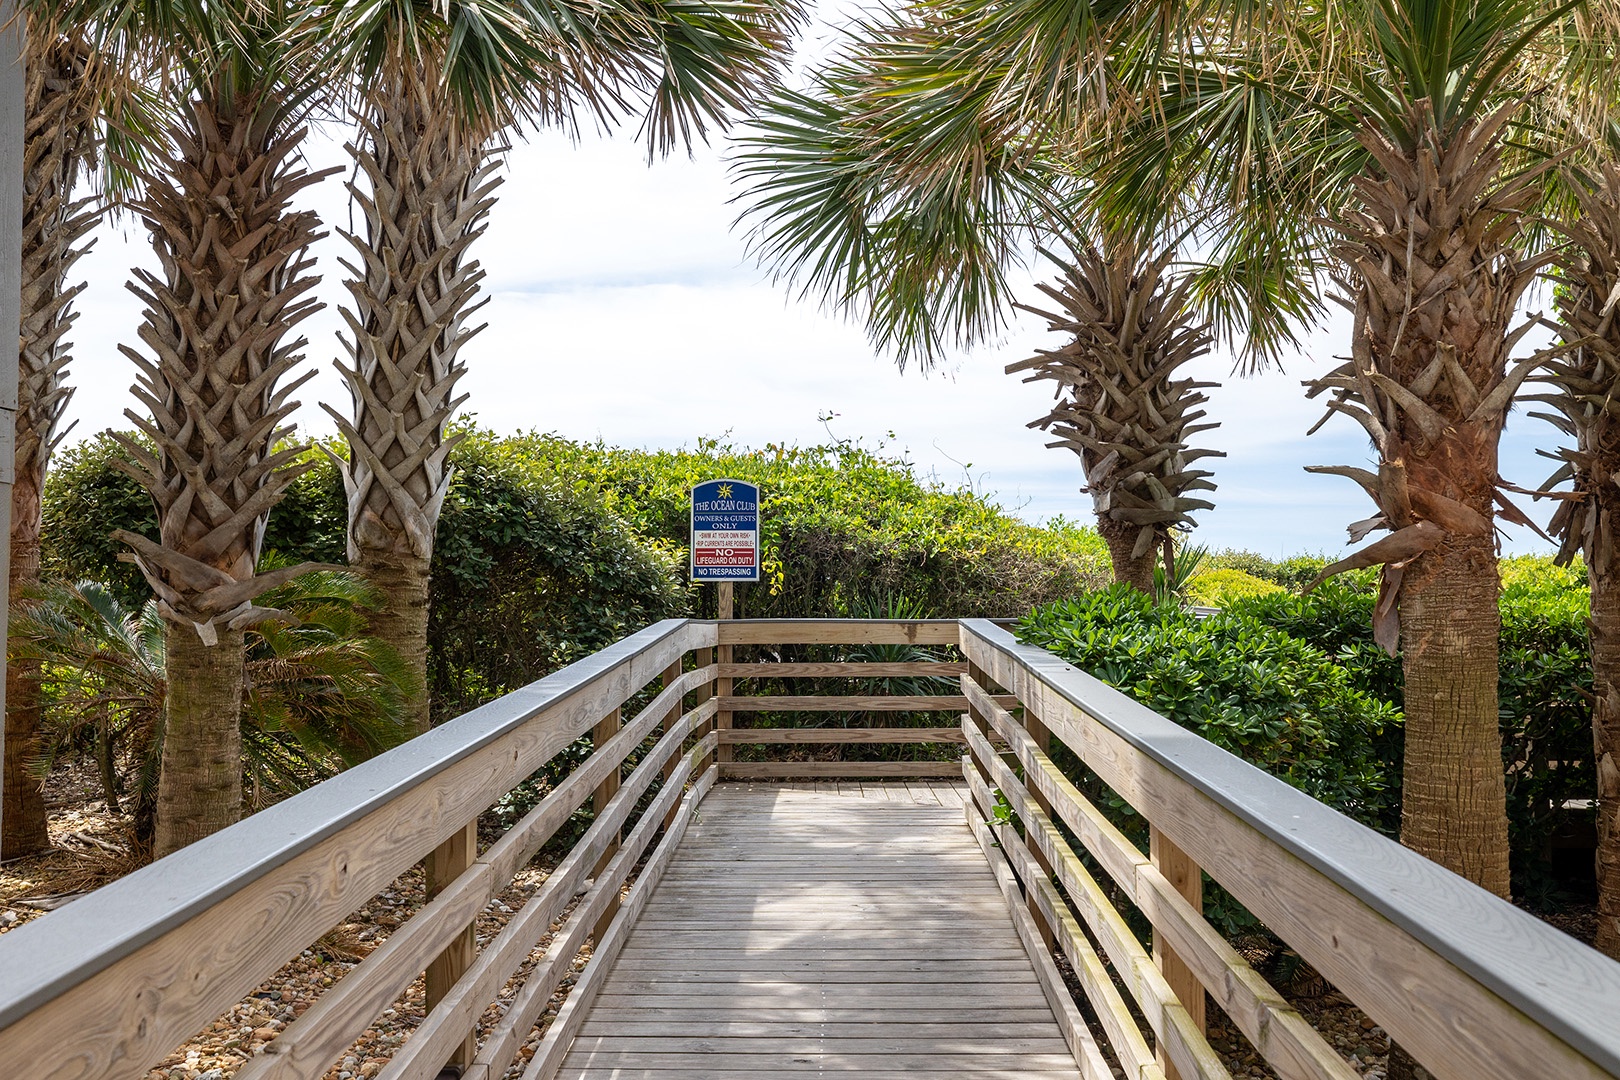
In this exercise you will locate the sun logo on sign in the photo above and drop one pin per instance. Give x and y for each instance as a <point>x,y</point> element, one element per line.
<point>724,491</point>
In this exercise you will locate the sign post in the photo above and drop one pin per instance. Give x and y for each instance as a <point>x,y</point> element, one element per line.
<point>725,550</point>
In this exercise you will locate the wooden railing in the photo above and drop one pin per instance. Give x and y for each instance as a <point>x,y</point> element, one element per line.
<point>109,985</point>
<point>762,635</point>
<point>1469,985</point>
<point>1475,989</point>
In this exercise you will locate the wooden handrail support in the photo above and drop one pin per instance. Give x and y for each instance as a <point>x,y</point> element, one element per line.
<point>1473,987</point>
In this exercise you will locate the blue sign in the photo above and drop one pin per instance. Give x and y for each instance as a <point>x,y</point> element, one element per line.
<point>725,531</point>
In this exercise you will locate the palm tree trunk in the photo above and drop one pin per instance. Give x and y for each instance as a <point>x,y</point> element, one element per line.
<point>430,188</point>
<point>200,787</point>
<point>1130,568</point>
<point>402,622</point>
<point>1606,746</point>
<point>59,135</point>
<point>1436,274</point>
<point>24,814</point>
<point>1453,797</point>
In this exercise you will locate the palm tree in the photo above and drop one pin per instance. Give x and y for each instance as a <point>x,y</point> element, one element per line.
<point>1398,161</point>
<point>1118,405</point>
<point>1584,387</point>
<point>234,274</point>
<point>1368,139</point>
<point>60,110</point>
<point>906,207</point>
<point>442,82</point>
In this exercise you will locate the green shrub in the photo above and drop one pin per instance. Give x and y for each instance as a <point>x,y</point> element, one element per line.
<point>1223,585</point>
<point>1263,694</point>
<point>1255,691</point>
<point>1336,618</point>
<point>1544,688</point>
<point>530,574</point>
<point>1545,705</point>
<point>1250,562</point>
<point>1294,572</point>
<point>85,499</point>
<point>842,521</point>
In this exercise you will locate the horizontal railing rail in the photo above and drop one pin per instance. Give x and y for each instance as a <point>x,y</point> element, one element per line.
<point>111,984</point>
<point>1471,986</point>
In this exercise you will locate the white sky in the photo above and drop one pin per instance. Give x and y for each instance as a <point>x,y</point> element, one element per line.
<point>622,306</point>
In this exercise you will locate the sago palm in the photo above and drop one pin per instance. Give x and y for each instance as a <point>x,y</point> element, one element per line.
<point>442,84</point>
<point>233,280</point>
<point>323,693</point>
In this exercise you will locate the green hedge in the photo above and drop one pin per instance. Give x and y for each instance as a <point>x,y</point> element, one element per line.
<point>1196,674</point>
<point>843,525</point>
<point>1223,585</point>
<point>1263,694</point>
<point>548,549</point>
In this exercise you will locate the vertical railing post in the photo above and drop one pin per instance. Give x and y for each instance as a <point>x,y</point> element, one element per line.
<point>604,730</point>
<point>448,861</point>
<point>976,674</point>
<point>1043,739</point>
<point>672,675</point>
<point>702,658</point>
<point>1187,878</point>
<point>724,752</point>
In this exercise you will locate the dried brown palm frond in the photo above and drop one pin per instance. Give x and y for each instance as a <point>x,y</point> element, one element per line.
<point>1119,406</point>
<point>1584,392</point>
<point>233,283</point>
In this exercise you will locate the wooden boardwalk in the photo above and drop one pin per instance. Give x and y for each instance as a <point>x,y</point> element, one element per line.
<point>806,929</point>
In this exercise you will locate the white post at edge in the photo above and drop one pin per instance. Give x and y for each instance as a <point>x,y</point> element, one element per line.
<point>11,201</point>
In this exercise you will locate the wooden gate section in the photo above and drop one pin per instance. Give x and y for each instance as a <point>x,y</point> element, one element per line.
<point>801,720</point>
<point>1468,984</point>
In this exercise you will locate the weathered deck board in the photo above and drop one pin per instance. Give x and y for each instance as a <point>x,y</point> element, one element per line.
<point>824,927</point>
